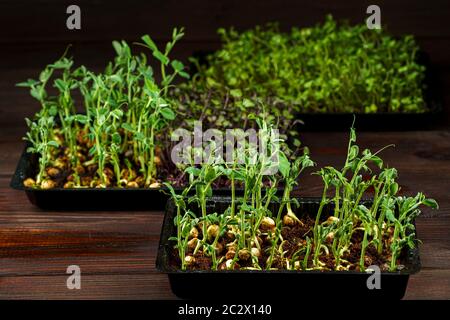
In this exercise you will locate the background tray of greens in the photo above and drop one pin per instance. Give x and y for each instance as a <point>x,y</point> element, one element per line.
<point>321,76</point>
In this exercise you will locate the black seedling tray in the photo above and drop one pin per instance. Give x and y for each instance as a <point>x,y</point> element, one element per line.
<point>84,198</point>
<point>93,198</point>
<point>264,284</point>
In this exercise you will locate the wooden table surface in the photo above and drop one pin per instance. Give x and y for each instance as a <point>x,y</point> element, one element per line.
<point>116,251</point>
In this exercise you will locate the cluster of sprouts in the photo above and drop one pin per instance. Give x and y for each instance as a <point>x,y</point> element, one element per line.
<point>262,230</point>
<point>113,140</point>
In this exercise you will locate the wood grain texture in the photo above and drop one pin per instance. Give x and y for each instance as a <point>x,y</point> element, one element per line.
<point>117,250</point>
<point>45,20</point>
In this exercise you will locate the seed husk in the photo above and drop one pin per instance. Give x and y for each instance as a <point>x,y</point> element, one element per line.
<point>109,173</point>
<point>230,254</point>
<point>192,244</point>
<point>189,260</point>
<point>60,164</point>
<point>140,181</point>
<point>29,182</point>
<point>86,181</point>
<point>48,184</point>
<point>332,219</point>
<point>230,235</point>
<point>80,169</point>
<point>53,172</point>
<point>132,184</point>
<point>232,246</point>
<point>154,185</point>
<point>288,221</point>
<point>219,248</point>
<point>267,224</point>
<point>330,237</point>
<point>244,254</point>
<point>69,184</point>
<point>212,231</point>
<point>256,243</point>
<point>256,252</point>
<point>193,233</point>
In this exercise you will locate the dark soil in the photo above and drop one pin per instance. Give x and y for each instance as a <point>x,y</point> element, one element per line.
<point>61,174</point>
<point>294,239</point>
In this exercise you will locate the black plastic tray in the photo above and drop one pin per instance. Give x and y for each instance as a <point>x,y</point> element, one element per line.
<point>84,198</point>
<point>263,284</point>
<point>93,198</point>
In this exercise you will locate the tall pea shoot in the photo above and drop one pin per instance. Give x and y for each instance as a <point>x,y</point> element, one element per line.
<point>385,222</point>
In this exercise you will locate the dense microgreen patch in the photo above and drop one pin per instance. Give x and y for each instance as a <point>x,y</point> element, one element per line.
<point>332,67</point>
<point>113,141</point>
<point>260,230</point>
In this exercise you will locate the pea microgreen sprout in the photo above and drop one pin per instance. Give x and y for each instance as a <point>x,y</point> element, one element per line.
<point>404,230</point>
<point>347,231</point>
<point>182,223</point>
<point>117,139</point>
<point>290,173</point>
<point>164,60</point>
<point>39,135</point>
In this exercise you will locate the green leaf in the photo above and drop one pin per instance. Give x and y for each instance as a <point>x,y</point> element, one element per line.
<point>431,203</point>
<point>184,74</point>
<point>168,113</point>
<point>354,150</point>
<point>117,113</point>
<point>248,103</point>
<point>53,143</point>
<point>161,57</point>
<point>35,93</point>
<point>116,138</point>
<point>390,215</point>
<point>177,65</point>
<point>127,127</point>
<point>237,93</point>
<point>149,42</point>
<point>284,166</point>
<point>28,83</point>
<point>117,47</point>
<point>210,174</point>
<point>116,78</point>
<point>60,84</point>
<point>378,161</point>
<point>44,75</point>
<point>81,118</point>
<point>394,188</point>
<point>53,110</point>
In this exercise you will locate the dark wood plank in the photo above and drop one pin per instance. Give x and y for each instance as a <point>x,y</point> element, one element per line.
<point>116,286</point>
<point>117,250</point>
<point>45,20</point>
<point>429,284</point>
